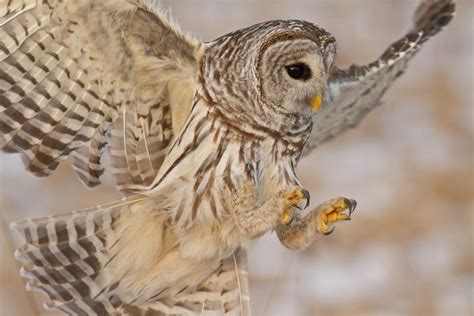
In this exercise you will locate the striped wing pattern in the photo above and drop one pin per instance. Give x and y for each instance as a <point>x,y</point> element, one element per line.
<point>64,255</point>
<point>138,146</point>
<point>78,79</point>
<point>73,74</point>
<point>357,90</point>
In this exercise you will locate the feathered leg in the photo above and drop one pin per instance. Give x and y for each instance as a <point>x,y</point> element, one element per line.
<point>300,233</point>
<point>254,222</point>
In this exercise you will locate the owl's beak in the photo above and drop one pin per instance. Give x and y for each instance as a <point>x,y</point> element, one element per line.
<point>316,102</point>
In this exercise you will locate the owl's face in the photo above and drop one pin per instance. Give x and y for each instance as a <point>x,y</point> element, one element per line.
<point>271,70</point>
<point>293,74</point>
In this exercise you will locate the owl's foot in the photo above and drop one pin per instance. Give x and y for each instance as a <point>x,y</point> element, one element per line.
<point>332,211</point>
<point>293,199</point>
<point>300,232</point>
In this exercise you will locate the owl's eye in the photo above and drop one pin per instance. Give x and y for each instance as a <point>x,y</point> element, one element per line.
<point>299,71</point>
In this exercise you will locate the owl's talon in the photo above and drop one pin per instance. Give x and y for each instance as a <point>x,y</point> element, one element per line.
<point>334,212</point>
<point>293,200</point>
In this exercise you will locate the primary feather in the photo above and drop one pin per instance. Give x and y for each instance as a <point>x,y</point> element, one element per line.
<point>68,257</point>
<point>355,91</point>
<point>75,73</point>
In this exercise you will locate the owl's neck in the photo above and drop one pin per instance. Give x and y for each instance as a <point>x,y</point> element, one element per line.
<point>261,122</point>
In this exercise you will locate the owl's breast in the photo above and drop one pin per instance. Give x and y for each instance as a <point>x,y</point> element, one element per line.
<point>212,159</point>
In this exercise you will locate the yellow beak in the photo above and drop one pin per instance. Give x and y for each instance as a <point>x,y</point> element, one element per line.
<point>316,102</point>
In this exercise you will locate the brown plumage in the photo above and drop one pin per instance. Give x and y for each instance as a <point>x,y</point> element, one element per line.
<point>203,137</point>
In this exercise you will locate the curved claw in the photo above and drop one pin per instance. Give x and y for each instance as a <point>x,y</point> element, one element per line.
<point>295,197</point>
<point>295,205</point>
<point>352,204</point>
<point>329,232</point>
<point>307,197</point>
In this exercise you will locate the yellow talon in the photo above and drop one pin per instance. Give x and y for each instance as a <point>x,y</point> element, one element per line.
<point>293,199</point>
<point>334,213</point>
<point>296,196</point>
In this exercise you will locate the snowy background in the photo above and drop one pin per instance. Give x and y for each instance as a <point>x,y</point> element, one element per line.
<point>409,248</point>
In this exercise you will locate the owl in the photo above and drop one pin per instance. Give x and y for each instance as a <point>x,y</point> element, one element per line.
<point>203,141</point>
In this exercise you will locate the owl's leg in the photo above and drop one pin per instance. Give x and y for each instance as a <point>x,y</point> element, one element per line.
<point>279,209</point>
<point>300,233</point>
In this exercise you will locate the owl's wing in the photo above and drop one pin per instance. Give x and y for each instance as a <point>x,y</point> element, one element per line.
<point>65,256</point>
<point>357,90</point>
<point>77,77</point>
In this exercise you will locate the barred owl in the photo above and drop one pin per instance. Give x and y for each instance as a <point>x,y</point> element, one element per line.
<point>203,140</point>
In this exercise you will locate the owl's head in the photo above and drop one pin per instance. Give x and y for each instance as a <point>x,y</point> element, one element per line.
<point>293,65</point>
<point>282,66</point>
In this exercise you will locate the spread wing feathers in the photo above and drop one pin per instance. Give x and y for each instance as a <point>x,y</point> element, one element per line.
<point>70,69</point>
<point>357,90</point>
<point>138,145</point>
<point>86,159</point>
<point>65,256</point>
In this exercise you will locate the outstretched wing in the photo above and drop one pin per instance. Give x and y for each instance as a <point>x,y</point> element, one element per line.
<point>66,256</point>
<point>357,90</point>
<point>77,77</point>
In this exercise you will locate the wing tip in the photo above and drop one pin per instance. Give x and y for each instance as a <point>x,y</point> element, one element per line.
<point>432,16</point>
<point>20,225</point>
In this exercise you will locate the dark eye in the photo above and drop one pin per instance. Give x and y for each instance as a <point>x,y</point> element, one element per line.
<point>299,71</point>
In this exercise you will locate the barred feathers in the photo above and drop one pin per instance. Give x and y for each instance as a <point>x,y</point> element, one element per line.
<point>357,90</point>
<point>69,70</point>
<point>65,257</point>
<point>138,146</point>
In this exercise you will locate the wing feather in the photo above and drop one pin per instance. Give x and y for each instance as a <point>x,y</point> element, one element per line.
<point>65,256</point>
<point>70,69</point>
<point>86,159</point>
<point>354,92</point>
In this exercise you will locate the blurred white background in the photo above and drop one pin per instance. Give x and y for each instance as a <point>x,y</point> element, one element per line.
<point>409,248</point>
